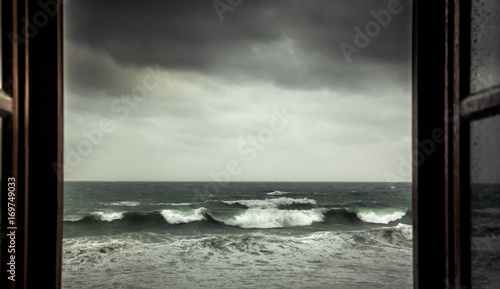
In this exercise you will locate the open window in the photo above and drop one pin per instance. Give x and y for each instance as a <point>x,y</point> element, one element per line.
<point>455,110</point>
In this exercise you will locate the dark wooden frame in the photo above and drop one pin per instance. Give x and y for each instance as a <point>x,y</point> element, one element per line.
<point>428,106</point>
<point>442,100</point>
<point>441,185</point>
<point>33,139</point>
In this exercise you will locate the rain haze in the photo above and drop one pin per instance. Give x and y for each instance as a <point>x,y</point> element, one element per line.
<point>254,90</point>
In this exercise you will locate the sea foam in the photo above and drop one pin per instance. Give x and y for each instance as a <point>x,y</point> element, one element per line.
<point>124,203</point>
<point>183,217</point>
<point>265,218</point>
<point>380,218</point>
<point>271,203</point>
<point>277,193</point>
<point>108,217</point>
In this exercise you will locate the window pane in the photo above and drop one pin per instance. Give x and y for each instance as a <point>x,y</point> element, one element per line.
<point>485,52</point>
<point>485,202</point>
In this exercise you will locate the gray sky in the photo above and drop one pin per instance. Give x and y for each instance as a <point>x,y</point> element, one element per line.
<point>262,91</point>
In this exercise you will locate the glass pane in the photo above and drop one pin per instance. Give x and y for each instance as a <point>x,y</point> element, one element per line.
<point>485,52</point>
<point>485,202</point>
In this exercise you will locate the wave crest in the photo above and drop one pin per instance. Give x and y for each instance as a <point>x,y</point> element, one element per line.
<point>277,193</point>
<point>272,203</point>
<point>183,217</point>
<point>108,216</point>
<point>266,218</point>
<point>380,216</point>
<point>124,203</point>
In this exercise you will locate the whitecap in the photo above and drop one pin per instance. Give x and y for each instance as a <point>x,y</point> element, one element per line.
<point>124,203</point>
<point>277,193</point>
<point>271,203</point>
<point>173,204</point>
<point>73,218</point>
<point>183,217</point>
<point>406,230</point>
<point>109,216</point>
<point>265,218</point>
<point>379,217</point>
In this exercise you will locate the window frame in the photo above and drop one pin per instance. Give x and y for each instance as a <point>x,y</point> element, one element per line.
<point>442,182</point>
<point>32,81</point>
<point>430,257</point>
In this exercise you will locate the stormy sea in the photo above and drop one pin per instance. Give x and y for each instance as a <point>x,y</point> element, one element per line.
<point>237,235</point>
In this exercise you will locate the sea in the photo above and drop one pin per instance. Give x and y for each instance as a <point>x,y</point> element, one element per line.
<point>187,235</point>
<point>485,235</point>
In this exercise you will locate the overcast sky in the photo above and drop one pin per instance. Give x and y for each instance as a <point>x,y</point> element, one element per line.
<point>262,91</point>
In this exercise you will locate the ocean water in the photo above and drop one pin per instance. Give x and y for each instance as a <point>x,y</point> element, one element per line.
<point>485,235</point>
<point>237,235</point>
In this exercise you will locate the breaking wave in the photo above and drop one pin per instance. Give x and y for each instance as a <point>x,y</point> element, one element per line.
<point>107,216</point>
<point>124,203</point>
<point>277,193</point>
<point>380,216</point>
<point>272,203</point>
<point>272,218</point>
<point>183,216</point>
<point>247,218</point>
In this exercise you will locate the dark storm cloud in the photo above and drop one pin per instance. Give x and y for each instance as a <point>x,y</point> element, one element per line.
<point>293,44</point>
<point>221,83</point>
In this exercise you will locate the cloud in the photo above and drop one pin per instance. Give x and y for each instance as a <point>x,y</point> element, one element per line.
<point>289,43</point>
<point>222,82</point>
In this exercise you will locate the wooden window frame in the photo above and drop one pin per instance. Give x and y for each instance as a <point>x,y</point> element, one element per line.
<point>31,106</point>
<point>442,182</point>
